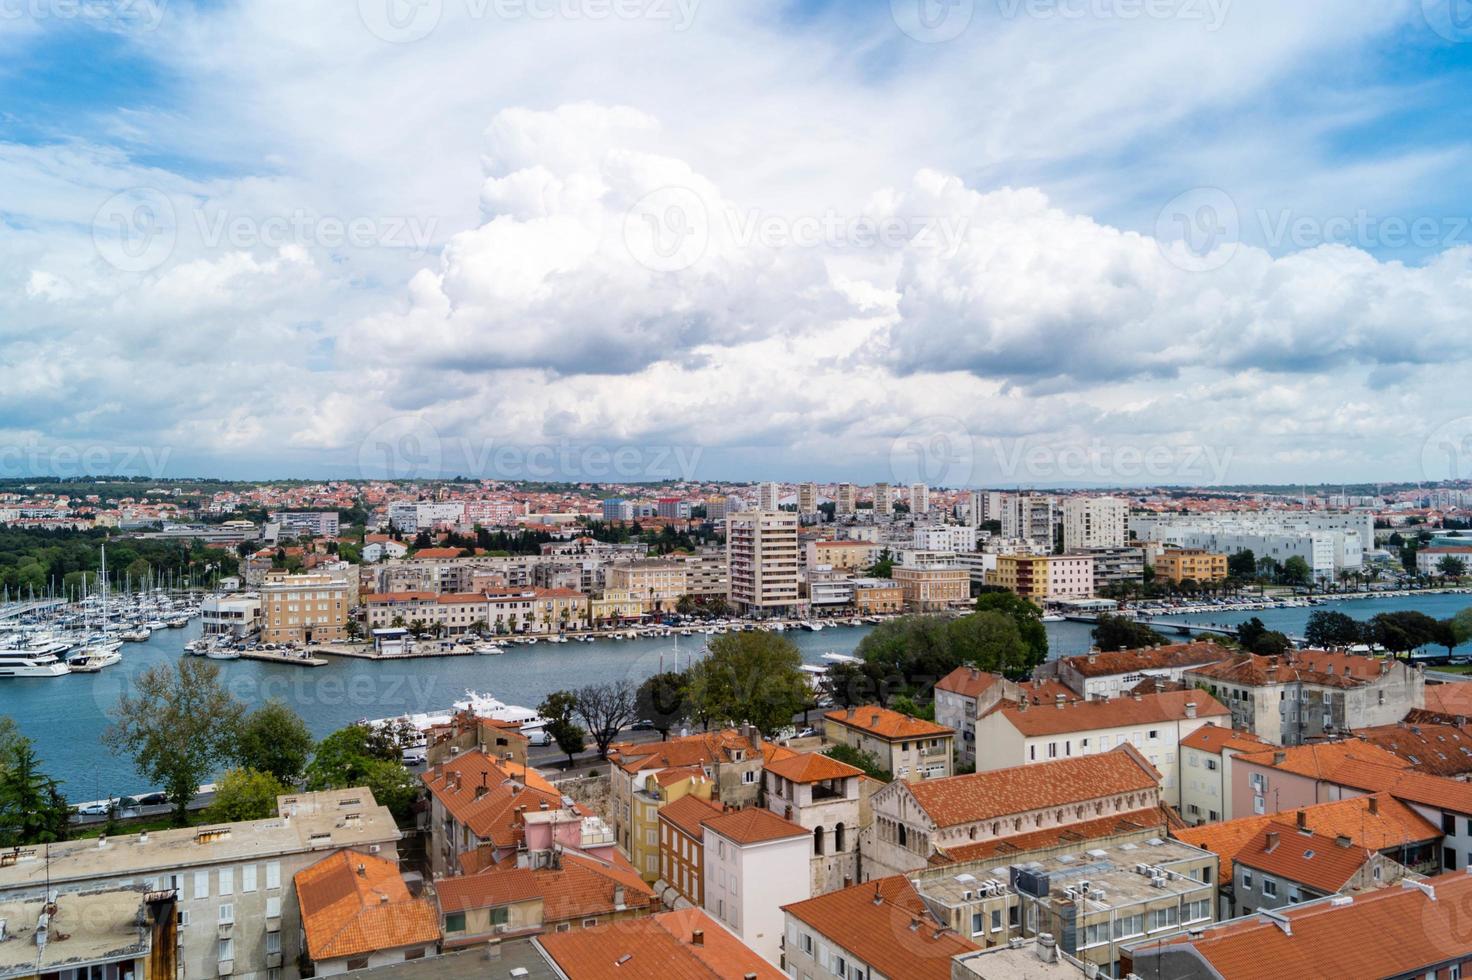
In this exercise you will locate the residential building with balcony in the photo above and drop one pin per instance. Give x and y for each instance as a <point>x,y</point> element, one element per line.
<point>1045,578</point>
<point>1206,771</point>
<point>1094,522</point>
<point>1176,565</point>
<point>962,697</point>
<point>762,557</point>
<point>750,856</point>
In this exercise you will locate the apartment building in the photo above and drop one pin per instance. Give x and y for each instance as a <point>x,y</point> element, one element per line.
<point>1092,897</point>
<point>237,616</point>
<point>653,791</point>
<point>913,822</point>
<point>1206,766</point>
<point>1029,517</point>
<point>237,912</point>
<point>1115,566</point>
<point>749,860</point>
<point>842,556</point>
<point>962,697</point>
<point>911,749</point>
<point>318,523</point>
<point>883,500</point>
<point>706,574</point>
<point>1013,733</point>
<point>357,913</point>
<point>1309,694</point>
<point>658,582</point>
<point>950,538</point>
<point>877,596</point>
<point>682,845</point>
<point>762,557</point>
<point>1283,865</point>
<point>304,609</point>
<point>807,498</point>
<point>1113,673</point>
<point>845,500</point>
<point>880,929</point>
<point>1094,522</point>
<point>129,933</point>
<point>821,795</point>
<point>1411,931</point>
<point>919,498</point>
<point>1179,564</point>
<point>1044,578</point>
<point>1327,545</point>
<point>412,516</point>
<point>932,581</point>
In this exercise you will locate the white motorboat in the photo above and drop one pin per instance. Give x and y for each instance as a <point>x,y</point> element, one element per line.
<point>222,653</point>
<point>488,649</point>
<point>22,662</point>
<point>92,659</point>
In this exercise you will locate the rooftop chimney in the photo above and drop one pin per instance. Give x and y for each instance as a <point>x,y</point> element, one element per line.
<point>697,937</point>
<point>362,870</point>
<point>1279,758</point>
<point>1059,700</point>
<point>1302,820</point>
<point>1190,709</point>
<point>1047,947</point>
<point>1374,805</point>
<point>1272,841</point>
<point>1342,840</point>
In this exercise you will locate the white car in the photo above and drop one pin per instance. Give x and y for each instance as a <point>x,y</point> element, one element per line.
<point>538,737</point>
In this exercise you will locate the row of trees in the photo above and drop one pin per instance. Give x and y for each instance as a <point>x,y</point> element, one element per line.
<point>1399,632</point>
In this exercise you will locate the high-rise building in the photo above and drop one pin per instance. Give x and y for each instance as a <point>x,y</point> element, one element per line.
<point>807,498</point>
<point>986,505</point>
<point>844,504</point>
<point>716,508</point>
<point>1094,522</point>
<point>767,495</point>
<point>761,550</point>
<point>1028,517</point>
<point>617,509</point>
<point>883,502</point>
<point>919,498</point>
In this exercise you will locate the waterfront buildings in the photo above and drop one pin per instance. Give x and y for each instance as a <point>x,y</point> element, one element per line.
<point>1094,522</point>
<point>932,584</point>
<point>1179,564</point>
<point>1105,673</point>
<point>304,609</point>
<point>1044,578</point>
<point>762,557</point>
<point>910,749</point>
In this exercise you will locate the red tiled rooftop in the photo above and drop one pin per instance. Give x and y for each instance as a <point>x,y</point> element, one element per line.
<point>886,723</point>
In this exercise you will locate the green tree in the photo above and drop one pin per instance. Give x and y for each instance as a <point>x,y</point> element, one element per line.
<point>558,708</point>
<point>1242,565</point>
<point>359,756</point>
<point>883,566</point>
<point>1450,566</point>
<point>847,685</point>
<point>1296,571</point>
<point>750,677</point>
<point>907,705</point>
<point>1027,616</point>
<point>989,641</point>
<point>32,810</point>
<point>244,794</point>
<point>859,759</point>
<point>1461,626</point>
<point>274,740</point>
<point>1405,630</point>
<point>661,700</point>
<point>179,725</point>
<point>1123,633</point>
<point>1329,629</point>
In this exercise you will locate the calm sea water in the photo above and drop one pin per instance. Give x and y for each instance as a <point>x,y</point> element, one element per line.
<point>65,716</point>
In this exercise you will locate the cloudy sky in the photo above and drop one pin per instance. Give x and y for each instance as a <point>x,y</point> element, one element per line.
<point>992,242</point>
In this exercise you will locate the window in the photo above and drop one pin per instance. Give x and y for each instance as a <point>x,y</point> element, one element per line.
<point>273,942</point>
<point>1448,824</point>
<point>996,920</point>
<point>225,950</point>
<point>1257,805</point>
<point>589,923</point>
<point>977,920</point>
<point>838,839</point>
<point>748,777</point>
<point>455,922</point>
<point>273,906</point>
<point>183,918</point>
<point>201,884</point>
<point>360,963</point>
<point>806,943</point>
<point>1269,887</point>
<point>227,881</point>
<point>1247,879</point>
<point>1154,734</point>
<point>248,878</point>
<point>227,913</point>
<point>500,915</point>
<point>1448,859</point>
<point>273,874</point>
<point>818,841</point>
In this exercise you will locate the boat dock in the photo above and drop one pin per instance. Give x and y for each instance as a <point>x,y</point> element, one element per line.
<point>367,652</point>
<point>283,657</point>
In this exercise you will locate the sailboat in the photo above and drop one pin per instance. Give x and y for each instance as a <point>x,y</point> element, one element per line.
<point>102,650</point>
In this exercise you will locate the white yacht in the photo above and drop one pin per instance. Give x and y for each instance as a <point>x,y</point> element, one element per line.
<point>89,660</point>
<point>22,662</point>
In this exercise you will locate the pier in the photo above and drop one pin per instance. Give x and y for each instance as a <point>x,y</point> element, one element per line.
<point>283,657</point>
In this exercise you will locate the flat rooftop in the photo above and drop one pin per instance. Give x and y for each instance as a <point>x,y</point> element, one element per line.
<point>1020,962</point>
<point>480,963</point>
<point>1108,868</point>
<point>305,822</point>
<point>86,928</point>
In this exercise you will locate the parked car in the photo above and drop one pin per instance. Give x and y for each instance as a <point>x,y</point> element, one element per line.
<point>153,799</point>
<point>98,809</point>
<point>538,737</point>
<point>643,725</point>
<point>413,757</point>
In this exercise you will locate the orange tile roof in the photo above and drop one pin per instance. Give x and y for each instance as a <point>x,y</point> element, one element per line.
<point>661,946</point>
<point>353,904</point>
<point>1317,761</point>
<point>754,825</point>
<point>957,800</point>
<point>676,774</point>
<point>437,553</point>
<point>1439,750</point>
<point>700,749</point>
<point>1415,787</point>
<point>1104,663</point>
<point>688,812</point>
<point>1381,825</point>
<point>1392,932</point>
<point>582,887</point>
<point>484,795</point>
<point>885,924</point>
<point>812,767</point>
<point>968,682</point>
<point>1215,739</point>
<point>1450,699</point>
<point>1152,818</point>
<point>1309,666</point>
<point>887,724</point>
<point>1092,715</point>
<point>1319,862</point>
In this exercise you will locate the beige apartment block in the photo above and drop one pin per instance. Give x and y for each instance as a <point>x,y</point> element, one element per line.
<point>762,552</point>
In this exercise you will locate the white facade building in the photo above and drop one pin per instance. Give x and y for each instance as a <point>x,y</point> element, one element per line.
<point>754,863</point>
<point>1094,522</point>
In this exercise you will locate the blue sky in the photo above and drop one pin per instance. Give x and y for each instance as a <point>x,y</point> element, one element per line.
<point>248,235</point>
